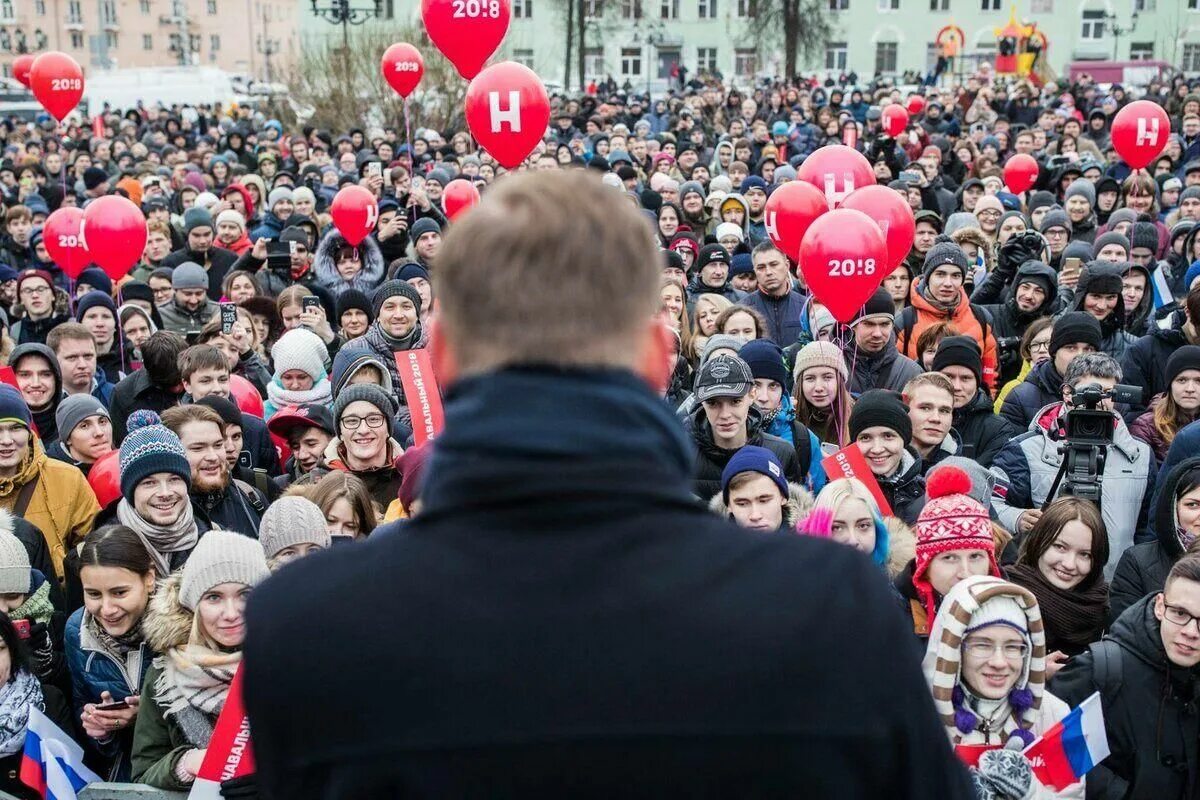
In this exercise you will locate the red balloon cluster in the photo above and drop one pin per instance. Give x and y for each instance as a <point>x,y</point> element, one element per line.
<point>114,234</point>
<point>844,258</point>
<point>64,240</point>
<point>1020,173</point>
<point>355,212</point>
<point>508,111</point>
<point>789,212</point>
<point>837,170</point>
<point>57,82</point>
<point>466,32</point>
<point>894,119</point>
<point>1140,132</point>
<point>460,195</point>
<point>402,67</point>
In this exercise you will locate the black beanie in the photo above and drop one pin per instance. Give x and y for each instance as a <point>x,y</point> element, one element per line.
<point>392,289</point>
<point>353,298</point>
<point>880,408</point>
<point>1186,357</point>
<point>880,304</point>
<point>1077,327</point>
<point>959,351</point>
<point>710,253</point>
<point>672,260</point>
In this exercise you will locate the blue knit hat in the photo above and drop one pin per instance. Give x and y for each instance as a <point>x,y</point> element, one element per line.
<point>765,359</point>
<point>741,264</point>
<point>752,182</point>
<point>150,447</point>
<point>753,459</point>
<point>12,406</point>
<point>91,300</point>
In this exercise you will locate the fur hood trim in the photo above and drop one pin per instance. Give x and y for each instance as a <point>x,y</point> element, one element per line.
<point>799,503</point>
<point>981,242</point>
<point>325,265</point>
<point>902,545</point>
<point>168,624</point>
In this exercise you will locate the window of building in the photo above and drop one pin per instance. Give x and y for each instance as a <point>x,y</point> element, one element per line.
<point>1141,51</point>
<point>593,9</point>
<point>1041,6</point>
<point>706,9</point>
<point>835,55</point>
<point>889,5</point>
<point>745,62</point>
<point>144,6</point>
<point>839,5</point>
<point>74,11</point>
<point>746,8</point>
<point>211,7</point>
<point>631,9</point>
<point>147,41</point>
<point>1193,5</point>
<point>110,40</point>
<point>989,5</point>
<point>214,42</point>
<point>108,12</point>
<point>77,40</point>
<point>939,5</point>
<point>706,60</point>
<point>524,56</point>
<point>669,9</point>
<point>6,9</point>
<point>631,61</point>
<point>523,9</point>
<point>1145,5</point>
<point>1093,24</point>
<point>885,56</point>
<point>1191,58</point>
<point>593,62</point>
<point>39,7</point>
<point>389,9</point>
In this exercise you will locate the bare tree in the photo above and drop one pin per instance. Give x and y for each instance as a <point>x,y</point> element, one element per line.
<point>803,25</point>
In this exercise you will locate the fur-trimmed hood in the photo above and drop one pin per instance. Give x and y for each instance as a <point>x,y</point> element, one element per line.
<point>62,306</point>
<point>798,504</point>
<point>902,545</point>
<point>325,265</point>
<point>167,624</point>
<point>981,242</point>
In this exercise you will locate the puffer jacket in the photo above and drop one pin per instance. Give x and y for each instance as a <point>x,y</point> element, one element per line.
<point>1144,363</point>
<point>325,265</point>
<point>1143,568</point>
<point>711,459</point>
<point>912,321</point>
<point>982,432</point>
<point>186,323</point>
<point>1150,710</point>
<point>1042,387</point>
<point>1025,469</point>
<point>95,669</point>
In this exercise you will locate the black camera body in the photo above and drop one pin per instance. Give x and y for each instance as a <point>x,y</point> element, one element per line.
<point>1089,432</point>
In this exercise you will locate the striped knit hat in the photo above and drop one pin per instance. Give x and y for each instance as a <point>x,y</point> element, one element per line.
<point>150,447</point>
<point>974,603</point>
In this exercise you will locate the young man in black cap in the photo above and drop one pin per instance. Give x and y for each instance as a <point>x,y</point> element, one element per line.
<point>1074,334</point>
<point>426,238</point>
<point>308,429</point>
<point>1032,293</point>
<point>877,362</point>
<point>882,429</point>
<point>980,430</point>
<point>711,276</point>
<point>1099,294</point>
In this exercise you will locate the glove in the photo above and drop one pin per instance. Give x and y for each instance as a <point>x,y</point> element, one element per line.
<point>41,647</point>
<point>1019,248</point>
<point>243,788</point>
<point>1007,772</point>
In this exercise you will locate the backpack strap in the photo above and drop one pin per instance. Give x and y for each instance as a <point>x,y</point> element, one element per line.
<point>1106,667</point>
<point>252,497</point>
<point>803,443</point>
<point>24,496</point>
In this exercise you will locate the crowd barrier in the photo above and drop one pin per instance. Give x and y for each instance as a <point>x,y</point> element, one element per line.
<point>120,791</point>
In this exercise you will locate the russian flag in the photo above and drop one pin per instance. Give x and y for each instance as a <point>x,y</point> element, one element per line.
<point>1069,750</point>
<point>53,763</point>
<point>1160,287</point>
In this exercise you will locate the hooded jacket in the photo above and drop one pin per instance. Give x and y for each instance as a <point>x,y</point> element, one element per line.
<point>1137,319</point>
<point>799,502</point>
<point>1144,363</point>
<point>44,419</point>
<point>711,459</point>
<point>1009,322</point>
<point>912,321</point>
<point>1042,387</point>
<point>325,265</point>
<point>981,431</point>
<point>1116,339</point>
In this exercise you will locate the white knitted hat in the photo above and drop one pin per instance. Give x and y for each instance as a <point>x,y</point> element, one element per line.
<point>230,215</point>
<point>820,354</point>
<point>300,349</point>
<point>221,557</point>
<point>290,521</point>
<point>14,565</point>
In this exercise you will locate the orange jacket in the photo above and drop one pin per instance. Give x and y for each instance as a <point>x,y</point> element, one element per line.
<point>913,321</point>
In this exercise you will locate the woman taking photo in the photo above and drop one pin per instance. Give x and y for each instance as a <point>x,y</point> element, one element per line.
<point>1178,406</point>
<point>106,648</point>
<point>197,622</point>
<point>1062,563</point>
<point>821,396</point>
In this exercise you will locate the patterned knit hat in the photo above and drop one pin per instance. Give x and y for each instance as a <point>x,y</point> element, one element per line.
<point>221,557</point>
<point>14,565</point>
<point>150,447</point>
<point>291,521</point>
<point>393,288</point>
<point>951,520</point>
<point>300,349</point>
<point>820,354</point>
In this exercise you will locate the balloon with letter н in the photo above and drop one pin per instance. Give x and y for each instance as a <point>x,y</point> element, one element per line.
<point>844,258</point>
<point>507,111</point>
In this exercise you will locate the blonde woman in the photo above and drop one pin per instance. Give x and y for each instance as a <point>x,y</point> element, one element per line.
<point>705,313</point>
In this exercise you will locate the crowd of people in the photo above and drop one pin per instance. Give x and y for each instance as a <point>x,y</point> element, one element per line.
<point>171,438</point>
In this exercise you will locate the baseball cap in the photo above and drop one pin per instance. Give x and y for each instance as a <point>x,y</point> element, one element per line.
<point>723,376</point>
<point>308,415</point>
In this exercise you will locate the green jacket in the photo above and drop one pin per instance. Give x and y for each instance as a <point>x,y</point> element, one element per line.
<point>158,742</point>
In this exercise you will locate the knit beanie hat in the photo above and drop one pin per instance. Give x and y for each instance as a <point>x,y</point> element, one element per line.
<point>752,458</point>
<point>97,279</point>
<point>73,410</point>
<point>231,215</point>
<point>1190,193</point>
<point>291,521</point>
<point>34,273</point>
<point>959,351</point>
<point>690,187</point>
<point>1073,328</point>
<point>711,253</point>
<point>412,270</point>
<point>226,409</point>
<point>959,220</point>
<point>277,194</point>
<point>1122,215</point>
<point>945,252</point>
<point>982,479</point>
<point>1112,237</point>
<point>719,341</point>
<point>15,575</point>
<point>1055,218</point>
<point>12,406</point>
<point>1007,215</point>
<point>196,217</point>
<point>880,408</point>
<point>741,264</point>
<point>150,447</point>
<point>300,349</point>
<point>423,226</point>
<point>369,393</point>
<point>1039,199</point>
<point>1081,187</point>
<point>189,275</point>
<point>221,557</point>
<point>354,299</point>
<point>412,470</point>
<point>729,229</point>
<point>92,300</point>
<point>1144,234</point>
<point>951,520</point>
<point>393,288</point>
<point>988,202</point>
<point>820,354</point>
<point>881,304</point>
<point>765,359</point>
<point>1184,358</point>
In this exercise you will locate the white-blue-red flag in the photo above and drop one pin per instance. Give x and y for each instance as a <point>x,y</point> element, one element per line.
<point>53,762</point>
<point>1068,750</point>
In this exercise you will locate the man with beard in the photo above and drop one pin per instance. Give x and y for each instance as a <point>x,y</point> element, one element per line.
<point>216,262</point>
<point>217,499</point>
<point>40,384</point>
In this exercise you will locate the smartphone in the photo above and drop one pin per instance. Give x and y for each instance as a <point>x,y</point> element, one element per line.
<point>374,169</point>
<point>116,705</point>
<point>908,176</point>
<point>228,317</point>
<point>1072,267</point>
<point>22,627</point>
<point>417,181</point>
<point>310,301</point>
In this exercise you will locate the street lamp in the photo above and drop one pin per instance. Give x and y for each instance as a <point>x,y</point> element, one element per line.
<point>267,47</point>
<point>1111,21</point>
<point>339,12</point>
<point>653,37</point>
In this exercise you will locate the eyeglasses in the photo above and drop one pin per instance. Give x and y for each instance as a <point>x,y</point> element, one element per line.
<point>982,650</point>
<point>30,291</point>
<point>372,420</point>
<point>1037,346</point>
<point>990,214</point>
<point>1179,616</point>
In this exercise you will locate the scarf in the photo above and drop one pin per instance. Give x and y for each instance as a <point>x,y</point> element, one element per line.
<point>193,686</point>
<point>404,343</point>
<point>1074,619</point>
<point>178,537</point>
<point>279,397</point>
<point>16,697</point>
<point>37,606</point>
<point>123,644</point>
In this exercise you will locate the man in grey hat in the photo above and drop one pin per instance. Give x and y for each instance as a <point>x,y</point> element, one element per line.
<point>84,432</point>
<point>189,308</point>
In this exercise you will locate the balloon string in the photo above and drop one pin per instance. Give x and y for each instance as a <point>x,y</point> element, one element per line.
<point>412,162</point>
<point>120,338</point>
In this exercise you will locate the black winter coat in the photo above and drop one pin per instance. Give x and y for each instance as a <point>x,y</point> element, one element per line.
<point>982,432</point>
<point>563,620</point>
<point>906,492</point>
<point>218,261</point>
<point>1145,362</point>
<point>1150,711</point>
<point>1041,387</point>
<point>137,392</point>
<point>711,460</point>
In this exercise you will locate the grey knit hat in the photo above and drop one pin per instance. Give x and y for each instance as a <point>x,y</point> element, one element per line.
<point>945,252</point>
<point>221,557</point>
<point>1105,239</point>
<point>820,354</point>
<point>291,521</point>
<point>719,341</point>
<point>392,289</point>
<point>74,410</point>
<point>1055,218</point>
<point>982,480</point>
<point>1081,187</point>
<point>277,194</point>
<point>369,393</point>
<point>189,275</point>
<point>14,565</point>
<point>196,217</point>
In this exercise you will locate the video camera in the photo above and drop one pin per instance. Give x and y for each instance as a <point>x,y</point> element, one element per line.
<point>1089,432</point>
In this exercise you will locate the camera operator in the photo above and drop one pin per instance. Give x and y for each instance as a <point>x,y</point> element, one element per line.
<point>1027,467</point>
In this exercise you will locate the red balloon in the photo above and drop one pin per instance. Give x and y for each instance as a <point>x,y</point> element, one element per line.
<point>1020,173</point>
<point>467,32</point>
<point>248,400</point>
<point>459,195</point>
<point>355,212</point>
<point>63,237</point>
<point>507,111</point>
<point>105,478</point>
<point>1139,132</point>
<point>844,259</point>
<point>895,120</point>
<point>790,209</point>
<point>892,214</point>
<point>837,171</point>
<point>57,83</point>
<point>114,233</point>
<point>402,68</point>
<point>20,67</point>
<point>915,104</point>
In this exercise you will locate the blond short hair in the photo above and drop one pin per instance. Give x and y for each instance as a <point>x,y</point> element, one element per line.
<point>935,379</point>
<point>551,268</point>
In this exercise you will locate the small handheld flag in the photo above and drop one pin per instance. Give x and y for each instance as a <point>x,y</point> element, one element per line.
<point>1069,750</point>
<point>1160,289</point>
<point>53,763</point>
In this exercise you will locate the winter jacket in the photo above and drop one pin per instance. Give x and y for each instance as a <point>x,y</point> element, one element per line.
<point>135,392</point>
<point>1026,467</point>
<point>1150,710</point>
<point>1009,322</point>
<point>799,502</point>
<point>270,227</point>
<point>785,315</point>
<point>1143,568</point>
<point>594,457</point>
<point>382,482</point>
<point>981,431</point>
<point>887,369</point>
<point>1144,363</point>
<point>1115,339</point>
<point>905,491</point>
<point>217,260</point>
<point>711,459</point>
<point>178,319</point>
<point>238,507</point>
<point>325,266</point>
<point>1144,430</point>
<point>696,288</point>
<point>96,669</point>
<point>912,321</point>
<point>1042,387</point>
<point>28,331</point>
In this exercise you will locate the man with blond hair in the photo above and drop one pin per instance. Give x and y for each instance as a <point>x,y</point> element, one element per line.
<point>562,619</point>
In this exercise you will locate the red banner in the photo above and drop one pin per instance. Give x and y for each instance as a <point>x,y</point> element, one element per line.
<point>422,394</point>
<point>849,463</point>
<point>229,753</point>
